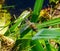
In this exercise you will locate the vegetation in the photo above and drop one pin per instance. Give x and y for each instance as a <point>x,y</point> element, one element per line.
<point>37,30</point>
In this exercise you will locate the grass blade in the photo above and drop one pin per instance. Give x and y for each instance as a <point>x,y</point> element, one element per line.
<point>37,8</point>
<point>24,15</point>
<point>36,46</point>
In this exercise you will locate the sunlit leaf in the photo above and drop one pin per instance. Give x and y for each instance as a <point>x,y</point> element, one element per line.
<point>48,34</point>
<point>24,15</point>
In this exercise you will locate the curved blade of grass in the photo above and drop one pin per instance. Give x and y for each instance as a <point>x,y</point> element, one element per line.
<point>37,8</point>
<point>48,34</point>
<point>49,23</point>
<point>24,15</point>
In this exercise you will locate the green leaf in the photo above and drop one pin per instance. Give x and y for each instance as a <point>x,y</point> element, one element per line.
<point>24,30</point>
<point>24,15</point>
<point>36,45</point>
<point>37,8</point>
<point>48,34</point>
<point>49,23</point>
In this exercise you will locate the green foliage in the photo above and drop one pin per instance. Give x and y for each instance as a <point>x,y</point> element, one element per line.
<point>29,40</point>
<point>48,33</point>
<point>36,46</point>
<point>49,23</point>
<point>37,8</point>
<point>24,15</point>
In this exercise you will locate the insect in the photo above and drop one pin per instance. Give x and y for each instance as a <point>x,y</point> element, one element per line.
<point>32,25</point>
